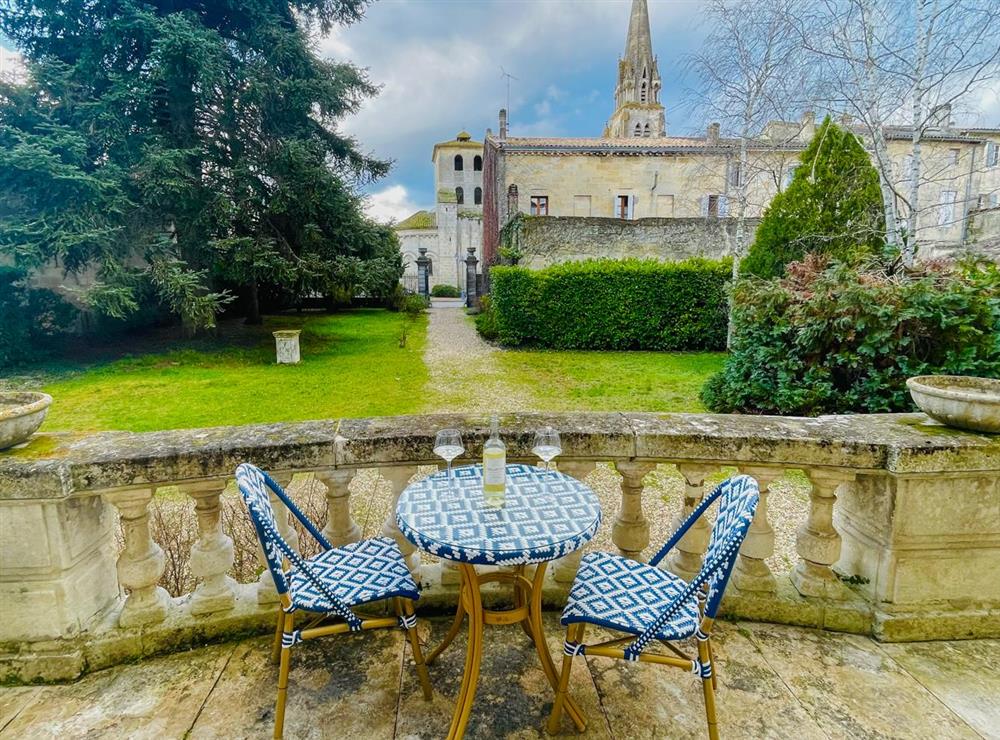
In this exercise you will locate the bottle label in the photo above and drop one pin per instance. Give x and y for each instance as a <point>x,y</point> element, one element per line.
<point>494,473</point>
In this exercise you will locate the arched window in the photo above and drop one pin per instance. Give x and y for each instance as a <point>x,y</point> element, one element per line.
<point>643,92</point>
<point>646,131</point>
<point>477,197</point>
<point>459,196</point>
<point>459,163</point>
<point>477,164</point>
<point>638,130</point>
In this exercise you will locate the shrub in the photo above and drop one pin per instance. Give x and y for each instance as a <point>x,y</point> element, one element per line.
<point>486,320</point>
<point>833,206</point>
<point>414,304</point>
<point>445,291</point>
<point>31,320</point>
<point>612,304</point>
<point>836,338</point>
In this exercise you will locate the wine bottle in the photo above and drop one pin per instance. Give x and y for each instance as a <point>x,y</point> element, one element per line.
<point>494,466</point>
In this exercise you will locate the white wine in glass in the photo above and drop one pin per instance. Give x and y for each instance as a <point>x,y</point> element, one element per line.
<point>547,445</point>
<point>448,446</point>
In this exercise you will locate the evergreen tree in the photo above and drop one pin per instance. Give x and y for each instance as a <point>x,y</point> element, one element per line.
<point>179,143</point>
<point>833,206</point>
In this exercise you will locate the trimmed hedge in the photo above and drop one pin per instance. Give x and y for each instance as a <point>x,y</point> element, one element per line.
<point>443,290</point>
<point>612,305</point>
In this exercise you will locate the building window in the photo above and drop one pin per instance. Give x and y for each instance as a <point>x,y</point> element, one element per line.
<point>789,176</point>
<point>459,163</point>
<point>512,204</point>
<point>946,207</point>
<point>477,196</point>
<point>735,174</point>
<point>539,205</point>
<point>638,130</point>
<point>992,154</point>
<point>477,164</point>
<point>953,156</point>
<point>459,196</point>
<point>715,206</point>
<point>624,207</point>
<point>643,92</point>
<point>646,131</point>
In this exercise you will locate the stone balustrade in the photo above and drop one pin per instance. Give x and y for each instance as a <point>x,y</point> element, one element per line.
<point>910,510</point>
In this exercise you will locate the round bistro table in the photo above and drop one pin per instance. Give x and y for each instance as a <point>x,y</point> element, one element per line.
<point>545,516</point>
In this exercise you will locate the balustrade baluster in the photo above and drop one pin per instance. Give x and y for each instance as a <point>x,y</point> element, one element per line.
<point>564,569</point>
<point>141,562</point>
<point>818,543</point>
<point>630,531</point>
<point>685,559</point>
<point>340,529</point>
<point>399,477</point>
<point>212,555</point>
<point>752,573</point>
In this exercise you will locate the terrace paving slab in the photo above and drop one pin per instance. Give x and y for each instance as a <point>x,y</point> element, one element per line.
<point>774,682</point>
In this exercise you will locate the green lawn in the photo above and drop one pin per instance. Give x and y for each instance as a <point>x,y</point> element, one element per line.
<point>352,366</point>
<point>613,381</point>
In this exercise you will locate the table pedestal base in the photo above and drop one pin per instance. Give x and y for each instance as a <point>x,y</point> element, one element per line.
<point>527,612</point>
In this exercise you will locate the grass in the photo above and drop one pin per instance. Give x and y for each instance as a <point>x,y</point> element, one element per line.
<point>352,365</point>
<point>612,381</point>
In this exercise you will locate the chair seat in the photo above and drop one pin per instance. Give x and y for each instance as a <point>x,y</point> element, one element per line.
<point>612,591</point>
<point>356,574</point>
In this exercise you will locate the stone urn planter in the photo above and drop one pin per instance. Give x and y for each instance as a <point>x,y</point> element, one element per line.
<point>21,413</point>
<point>959,401</point>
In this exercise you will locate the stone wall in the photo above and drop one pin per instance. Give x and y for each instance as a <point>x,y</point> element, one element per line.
<point>547,240</point>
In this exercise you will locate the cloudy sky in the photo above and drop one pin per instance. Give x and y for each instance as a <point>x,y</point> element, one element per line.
<point>439,64</point>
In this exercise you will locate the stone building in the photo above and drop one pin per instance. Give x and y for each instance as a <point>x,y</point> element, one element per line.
<point>456,223</point>
<point>672,192</point>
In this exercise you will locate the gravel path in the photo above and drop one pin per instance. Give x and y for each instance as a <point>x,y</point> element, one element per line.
<point>465,374</point>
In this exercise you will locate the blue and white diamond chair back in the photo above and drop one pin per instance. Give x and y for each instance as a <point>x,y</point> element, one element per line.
<point>328,584</point>
<point>648,603</point>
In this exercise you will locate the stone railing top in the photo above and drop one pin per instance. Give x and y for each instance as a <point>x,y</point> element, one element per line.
<point>59,465</point>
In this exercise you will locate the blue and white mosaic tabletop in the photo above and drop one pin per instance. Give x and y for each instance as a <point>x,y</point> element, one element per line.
<point>546,515</point>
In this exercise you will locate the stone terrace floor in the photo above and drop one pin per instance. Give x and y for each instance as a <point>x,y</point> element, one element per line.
<point>775,681</point>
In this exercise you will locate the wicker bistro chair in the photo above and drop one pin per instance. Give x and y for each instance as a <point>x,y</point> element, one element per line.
<point>328,584</point>
<point>650,603</point>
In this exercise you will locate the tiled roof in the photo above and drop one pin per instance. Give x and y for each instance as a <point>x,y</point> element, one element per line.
<point>419,220</point>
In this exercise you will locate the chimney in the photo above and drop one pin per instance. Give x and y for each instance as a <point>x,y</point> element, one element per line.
<point>941,117</point>
<point>713,133</point>
<point>807,129</point>
<point>503,123</point>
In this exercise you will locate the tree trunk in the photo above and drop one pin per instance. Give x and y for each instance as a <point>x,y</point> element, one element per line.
<point>918,120</point>
<point>253,310</point>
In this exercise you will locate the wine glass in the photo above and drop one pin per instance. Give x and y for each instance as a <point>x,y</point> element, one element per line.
<point>448,445</point>
<point>547,445</point>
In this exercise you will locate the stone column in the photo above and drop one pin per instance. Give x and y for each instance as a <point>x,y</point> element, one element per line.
<point>399,477</point>
<point>286,344</point>
<point>471,298</point>
<point>212,554</point>
<point>564,569</point>
<point>266,593</point>
<point>340,529</point>
<point>141,563</point>
<point>631,528</point>
<point>751,572</point>
<point>423,273</point>
<point>686,558</point>
<point>818,543</point>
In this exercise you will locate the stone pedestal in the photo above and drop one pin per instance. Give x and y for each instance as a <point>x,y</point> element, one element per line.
<point>286,344</point>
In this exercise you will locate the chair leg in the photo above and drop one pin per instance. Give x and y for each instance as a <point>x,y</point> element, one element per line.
<point>708,687</point>
<point>276,645</point>
<point>405,607</point>
<point>286,662</point>
<point>574,633</point>
<point>715,666</point>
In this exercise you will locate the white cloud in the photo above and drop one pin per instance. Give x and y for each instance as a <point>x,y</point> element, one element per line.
<point>391,204</point>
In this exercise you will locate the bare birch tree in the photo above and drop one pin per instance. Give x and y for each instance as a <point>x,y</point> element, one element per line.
<point>749,72</point>
<point>904,62</point>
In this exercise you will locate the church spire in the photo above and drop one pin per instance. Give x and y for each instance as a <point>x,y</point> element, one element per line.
<point>637,96</point>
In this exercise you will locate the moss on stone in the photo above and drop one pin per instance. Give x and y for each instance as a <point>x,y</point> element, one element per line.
<point>419,220</point>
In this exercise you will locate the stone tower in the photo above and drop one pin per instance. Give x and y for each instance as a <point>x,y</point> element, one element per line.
<point>637,97</point>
